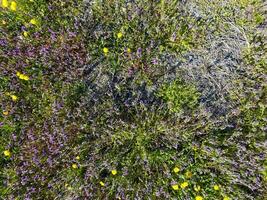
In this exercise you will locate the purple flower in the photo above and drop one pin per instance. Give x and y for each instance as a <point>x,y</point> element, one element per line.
<point>139,52</point>
<point>155,61</point>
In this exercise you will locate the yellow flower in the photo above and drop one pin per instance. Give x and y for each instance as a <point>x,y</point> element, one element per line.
<point>25,33</point>
<point>184,185</point>
<point>129,50</point>
<point>74,166</point>
<point>176,170</point>
<point>25,77</point>
<point>22,76</point>
<point>105,50</point>
<point>4,3</point>
<point>13,6</point>
<point>114,172</point>
<point>119,35</point>
<point>3,22</point>
<point>197,188</point>
<point>5,113</point>
<point>7,153</point>
<point>14,97</point>
<point>226,198</point>
<point>216,187</point>
<point>102,183</point>
<point>78,158</point>
<point>175,187</point>
<point>199,198</point>
<point>33,21</point>
<point>188,174</point>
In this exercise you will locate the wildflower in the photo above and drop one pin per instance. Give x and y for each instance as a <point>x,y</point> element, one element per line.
<point>33,21</point>
<point>184,185</point>
<point>102,183</point>
<point>105,50</point>
<point>25,77</point>
<point>22,76</point>
<point>188,174</point>
<point>199,198</point>
<point>216,187</point>
<point>13,6</point>
<point>175,187</point>
<point>114,172</point>
<point>74,166</point>
<point>176,170</point>
<point>25,33</point>
<point>14,97</point>
<point>197,188</point>
<point>226,198</point>
<point>4,3</point>
<point>119,35</point>
<point>5,113</point>
<point>78,158</point>
<point>129,50</point>
<point>7,153</point>
<point>3,22</point>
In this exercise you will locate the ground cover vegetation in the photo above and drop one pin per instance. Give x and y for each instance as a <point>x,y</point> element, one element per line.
<point>133,99</point>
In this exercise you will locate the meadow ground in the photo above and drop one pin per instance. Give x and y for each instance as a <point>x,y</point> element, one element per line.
<point>133,99</point>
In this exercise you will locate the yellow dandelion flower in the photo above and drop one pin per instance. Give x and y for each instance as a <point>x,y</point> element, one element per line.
<point>4,3</point>
<point>184,185</point>
<point>74,166</point>
<point>14,97</point>
<point>7,153</point>
<point>13,6</point>
<point>197,188</point>
<point>119,35</point>
<point>102,183</point>
<point>5,113</point>
<point>129,50</point>
<point>114,172</point>
<point>199,198</point>
<point>188,174</point>
<point>78,158</point>
<point>105,50</point>
<point>216,187</point>
<point>3,22</point>
<point>25,33</point>
<point>175,187</point>
<point>176,169</point>
<point>226,198</point>
<point>33,21</point>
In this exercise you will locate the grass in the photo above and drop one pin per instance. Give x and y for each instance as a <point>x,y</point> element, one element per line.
<point>133,100</point>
